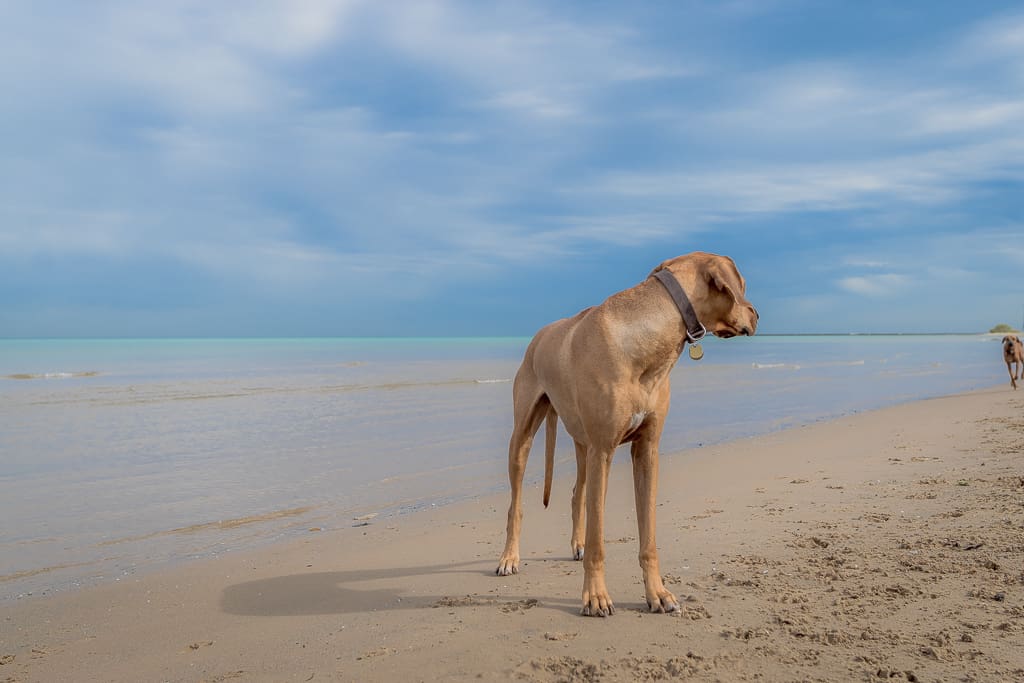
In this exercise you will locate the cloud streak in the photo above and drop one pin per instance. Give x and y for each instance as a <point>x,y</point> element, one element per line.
<point>878,285</point>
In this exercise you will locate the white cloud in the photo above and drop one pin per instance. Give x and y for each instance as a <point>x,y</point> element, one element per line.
<point>563,236</point>
<point>187,57</point>
<point>523,57</point>
<point>1002,250</point>
<point>287,28</point>
<point>947,274</point>
<point>953,116</point>
<point>653,71</point>
<point>998,38</point>
<point>31,232</point>
<point>533,104</point>
<point>931,177</point>
<point>857,262</point>
<point>879,285</point>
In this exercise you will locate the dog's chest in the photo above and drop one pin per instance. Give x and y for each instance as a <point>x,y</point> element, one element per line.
<point>635,420</point>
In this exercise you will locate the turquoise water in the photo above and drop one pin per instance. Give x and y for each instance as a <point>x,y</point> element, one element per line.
<point>120,455</point>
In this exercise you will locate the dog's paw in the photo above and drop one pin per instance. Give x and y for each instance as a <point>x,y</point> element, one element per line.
<point>577,552</point>
<point>663,603</point>
<point>508,565</point>
<point>597,603</point>
<point>598,608</point>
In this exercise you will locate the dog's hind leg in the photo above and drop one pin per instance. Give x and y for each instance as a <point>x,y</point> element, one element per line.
<point>531,406</point>
<point>579,496</point>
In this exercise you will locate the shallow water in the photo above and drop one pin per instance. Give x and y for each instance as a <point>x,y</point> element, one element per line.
<point>117,455</point>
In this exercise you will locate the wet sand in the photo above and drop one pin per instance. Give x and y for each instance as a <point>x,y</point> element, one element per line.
<point>887,545</point>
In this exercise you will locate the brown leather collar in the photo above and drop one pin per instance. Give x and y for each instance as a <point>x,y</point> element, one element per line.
<point>695,331</point>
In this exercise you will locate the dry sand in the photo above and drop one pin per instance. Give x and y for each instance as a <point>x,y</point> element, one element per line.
<point>886,545</point>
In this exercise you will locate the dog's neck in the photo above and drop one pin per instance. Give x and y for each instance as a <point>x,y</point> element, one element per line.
<point>695,331</point>
<point>653,333</point>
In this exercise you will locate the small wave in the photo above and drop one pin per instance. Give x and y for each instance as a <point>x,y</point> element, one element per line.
<point>221,525</point>
<point>769,366</point>
<point>841,363</point>
<point>40,570</point>
<point>493,381</point>
<point>51,375</point>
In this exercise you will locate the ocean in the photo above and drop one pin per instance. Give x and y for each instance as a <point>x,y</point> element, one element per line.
<point>118,456</point>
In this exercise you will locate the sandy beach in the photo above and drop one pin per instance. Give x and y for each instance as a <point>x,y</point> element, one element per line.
<point>884,545</point>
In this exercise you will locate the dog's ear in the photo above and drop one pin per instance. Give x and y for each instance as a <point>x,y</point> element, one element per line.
<point>719,280</point>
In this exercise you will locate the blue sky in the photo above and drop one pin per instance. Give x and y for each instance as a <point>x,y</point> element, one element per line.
<point>465,168</point>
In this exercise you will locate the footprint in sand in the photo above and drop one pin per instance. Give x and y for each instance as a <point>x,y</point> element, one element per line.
<point>519,606</point>
<point>467,601</point>
<point>220,678</point>
<point>559,636</point>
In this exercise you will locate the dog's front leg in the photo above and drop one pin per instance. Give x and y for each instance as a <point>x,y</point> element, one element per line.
<point>645,484</point>
<point>596,601</point>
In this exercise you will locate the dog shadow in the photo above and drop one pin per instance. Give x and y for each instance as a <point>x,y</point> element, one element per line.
<point>337,592</point>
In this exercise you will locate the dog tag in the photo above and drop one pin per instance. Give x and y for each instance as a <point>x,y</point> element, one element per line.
<point>696,352</point>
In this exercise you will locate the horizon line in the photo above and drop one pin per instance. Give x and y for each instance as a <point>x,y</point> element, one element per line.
<point>461,337</point>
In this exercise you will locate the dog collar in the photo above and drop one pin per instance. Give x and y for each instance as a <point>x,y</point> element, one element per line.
<point>695,331</point>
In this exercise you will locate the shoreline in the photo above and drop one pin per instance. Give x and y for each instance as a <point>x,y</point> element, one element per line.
<point>875,542</point>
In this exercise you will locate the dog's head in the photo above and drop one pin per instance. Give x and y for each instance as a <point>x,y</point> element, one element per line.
<point>1008,342</point>
<point>717,291</point>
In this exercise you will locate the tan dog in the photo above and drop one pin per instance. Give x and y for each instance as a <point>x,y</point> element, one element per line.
<point>1013,352</point>
<point>605,373</point>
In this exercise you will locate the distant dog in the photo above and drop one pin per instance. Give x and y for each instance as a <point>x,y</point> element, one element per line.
<point>605,373</point>
<point>1013,353</point>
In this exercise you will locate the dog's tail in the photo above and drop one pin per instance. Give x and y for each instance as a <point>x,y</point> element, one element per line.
<point>551,428</point>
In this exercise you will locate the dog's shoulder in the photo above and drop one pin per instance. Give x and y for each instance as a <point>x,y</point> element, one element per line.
<point>561,326</point>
